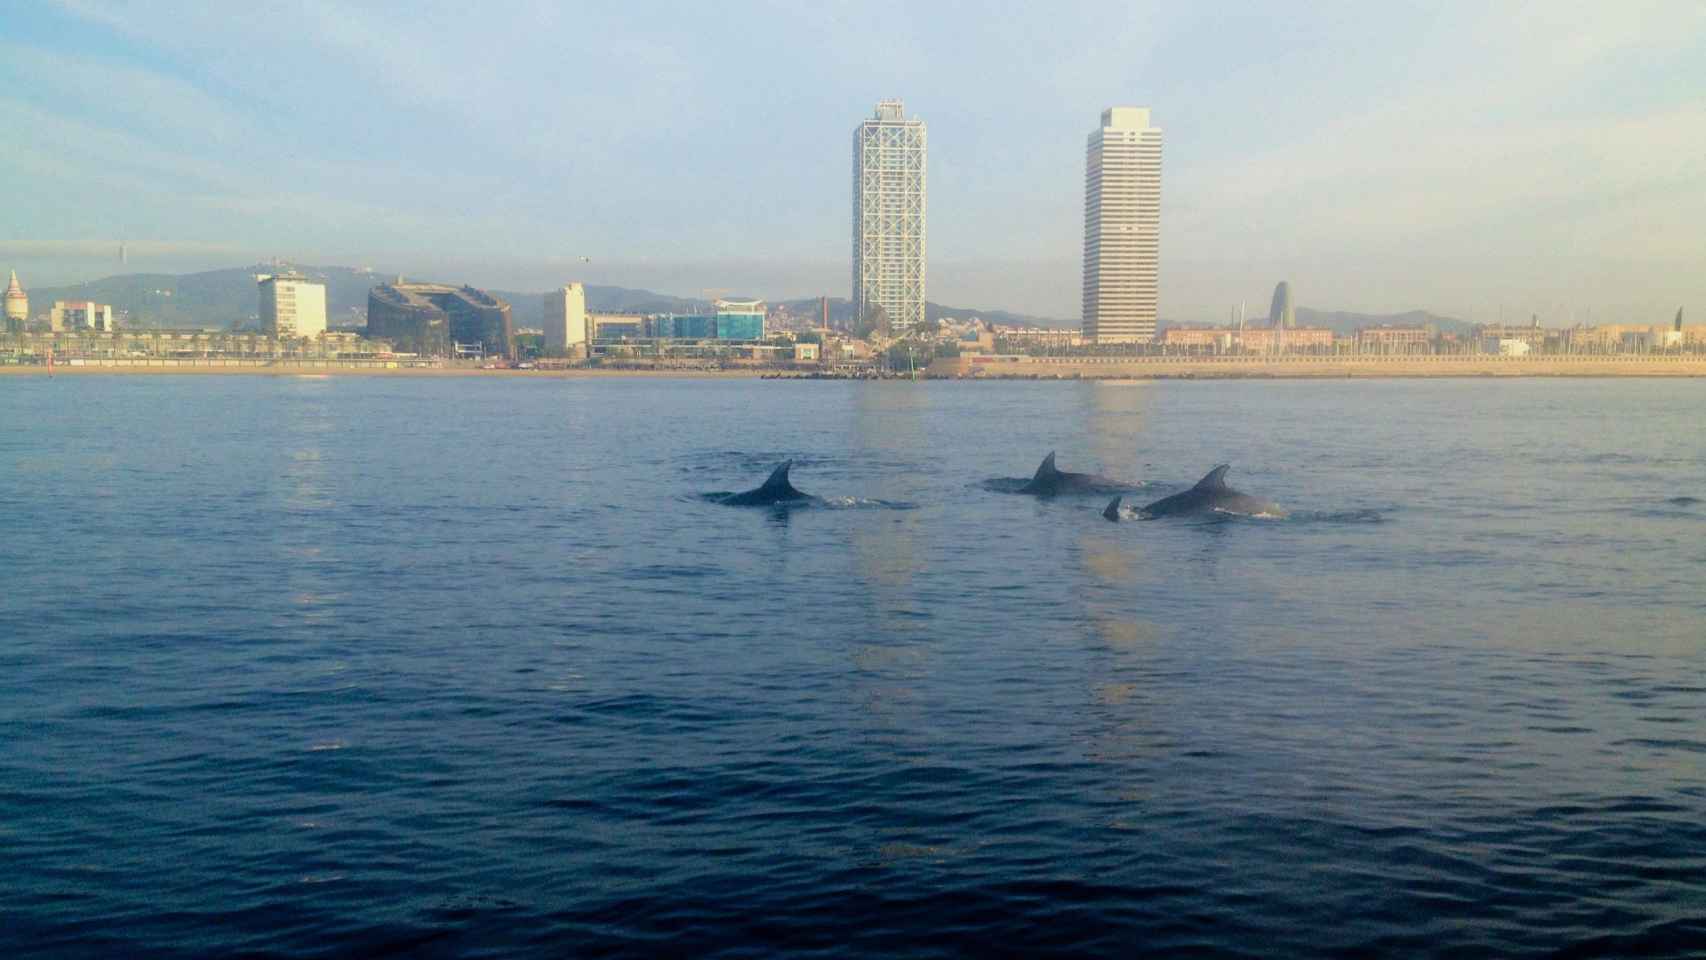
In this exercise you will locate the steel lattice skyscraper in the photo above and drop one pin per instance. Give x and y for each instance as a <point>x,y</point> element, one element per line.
<point>888,217</point>
<point>1122,228</point>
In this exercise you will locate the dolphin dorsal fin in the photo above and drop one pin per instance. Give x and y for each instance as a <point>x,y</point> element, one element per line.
<point>1113,511</point>
<point>1046,469</point>
<point>1216,478</point>
<point>779,478</point>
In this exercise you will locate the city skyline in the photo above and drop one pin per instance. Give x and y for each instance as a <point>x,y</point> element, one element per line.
<point>1568,181</point>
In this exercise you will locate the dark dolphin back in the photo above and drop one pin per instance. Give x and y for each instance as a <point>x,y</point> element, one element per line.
<point>775,490</point>
<point>1045,471</point>
<point>1215,480</point>
<point>778,486</point>
<point>1045,479</point>
<point>1113,511</point>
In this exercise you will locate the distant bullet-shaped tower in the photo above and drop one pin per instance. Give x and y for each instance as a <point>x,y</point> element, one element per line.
<point>1122,228</point>
<point>1281,314</point>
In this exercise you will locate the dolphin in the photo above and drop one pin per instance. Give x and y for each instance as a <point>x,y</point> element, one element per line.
<point>1048,481</point>
<point>777,489</point>
<point>1211,494</point>
<point>1113,511</point>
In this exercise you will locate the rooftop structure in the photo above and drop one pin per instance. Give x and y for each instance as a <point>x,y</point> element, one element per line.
<point>1122,227</point>
<point>433,318</point>
<point>888,218</point>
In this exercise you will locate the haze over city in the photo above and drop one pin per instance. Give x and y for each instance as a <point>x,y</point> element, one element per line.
<point>1541,159</point>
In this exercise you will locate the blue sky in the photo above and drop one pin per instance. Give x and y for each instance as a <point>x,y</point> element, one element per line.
<point>1467,158</point>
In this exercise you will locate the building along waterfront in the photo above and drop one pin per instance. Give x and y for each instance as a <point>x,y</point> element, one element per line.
<point>437,319</point>
<point>75,315</point>
<point>292,306</point>
<point>740,320</point>
<point>1122,228</point>
<point>566,328</point>
<point>889,207</point>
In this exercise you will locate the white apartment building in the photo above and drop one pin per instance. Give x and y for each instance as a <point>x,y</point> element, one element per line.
<point>1122,228</point>
<point>292,306</point>
<point>565,318</point>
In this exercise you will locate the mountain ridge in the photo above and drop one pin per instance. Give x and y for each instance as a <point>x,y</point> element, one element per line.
<point>227,298</point>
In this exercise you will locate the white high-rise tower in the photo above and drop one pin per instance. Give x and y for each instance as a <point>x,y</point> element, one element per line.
<point>888,217</point>
<point>565,320</point>
<point>1122,228</point>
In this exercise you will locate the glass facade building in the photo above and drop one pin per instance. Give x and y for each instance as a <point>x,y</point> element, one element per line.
<point>734,320</point>
<point>684,327</point>
<point>740,326</point>
<point>740,320</point>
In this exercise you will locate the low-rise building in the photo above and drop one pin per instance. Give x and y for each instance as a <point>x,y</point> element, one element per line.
<point>678,326</point>
<point>1047,338</point>
<point>617,326</point>
<point>1290,340</point>
<point>1198,338</point>
<point>1395,339</point>
<point>1250,339</point>
<point>72,315</point>
<point>740,320</point>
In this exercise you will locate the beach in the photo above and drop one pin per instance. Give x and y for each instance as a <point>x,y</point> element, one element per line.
<point>975,367</point>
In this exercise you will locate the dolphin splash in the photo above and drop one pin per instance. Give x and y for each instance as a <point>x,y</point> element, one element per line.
<point>1210,495</point>
<point>775,490</point>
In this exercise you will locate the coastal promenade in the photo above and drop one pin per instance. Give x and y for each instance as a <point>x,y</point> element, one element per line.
<point>962,368</point>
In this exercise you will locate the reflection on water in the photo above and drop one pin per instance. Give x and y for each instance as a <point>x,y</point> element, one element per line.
<point>1115,421</point>
<point>892,655</point>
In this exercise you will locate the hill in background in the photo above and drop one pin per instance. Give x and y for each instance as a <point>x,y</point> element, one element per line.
<point>223,299</point>
<point>1348,322</point>
<point>1341,321</point>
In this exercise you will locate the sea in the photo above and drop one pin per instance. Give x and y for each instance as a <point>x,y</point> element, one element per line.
<point>473,667</point>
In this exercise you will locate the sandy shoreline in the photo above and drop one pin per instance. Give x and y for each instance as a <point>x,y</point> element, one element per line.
<point>1290,368</point>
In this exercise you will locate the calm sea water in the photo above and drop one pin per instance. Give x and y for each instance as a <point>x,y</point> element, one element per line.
<point>316,667</point>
